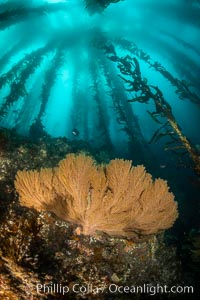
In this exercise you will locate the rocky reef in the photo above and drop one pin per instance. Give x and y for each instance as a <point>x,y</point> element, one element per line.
<point>42,257</point>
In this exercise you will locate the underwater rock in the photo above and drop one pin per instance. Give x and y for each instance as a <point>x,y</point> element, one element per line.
<point>38,249</point>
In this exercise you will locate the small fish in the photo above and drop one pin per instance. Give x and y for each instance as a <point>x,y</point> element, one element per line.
<point>162,166</point>
<point>75,132</point>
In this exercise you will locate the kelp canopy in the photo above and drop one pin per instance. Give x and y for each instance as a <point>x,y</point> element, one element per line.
<point>121,83</point>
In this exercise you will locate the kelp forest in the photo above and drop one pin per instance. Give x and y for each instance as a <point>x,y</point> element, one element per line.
<point>99,149</point>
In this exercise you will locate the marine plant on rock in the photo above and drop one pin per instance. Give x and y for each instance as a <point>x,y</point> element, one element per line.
<point>116,198</point>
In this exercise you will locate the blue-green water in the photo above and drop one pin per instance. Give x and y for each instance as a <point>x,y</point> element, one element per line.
<point>61,73</point>
<point>168,32</point>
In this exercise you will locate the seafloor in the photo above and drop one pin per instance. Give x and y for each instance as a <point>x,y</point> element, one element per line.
<point>38,250</point>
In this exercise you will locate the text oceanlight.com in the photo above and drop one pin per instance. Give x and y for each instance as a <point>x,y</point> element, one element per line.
<point>55,288</point>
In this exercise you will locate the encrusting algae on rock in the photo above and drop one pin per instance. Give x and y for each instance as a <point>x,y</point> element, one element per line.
<point>117,199</point>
